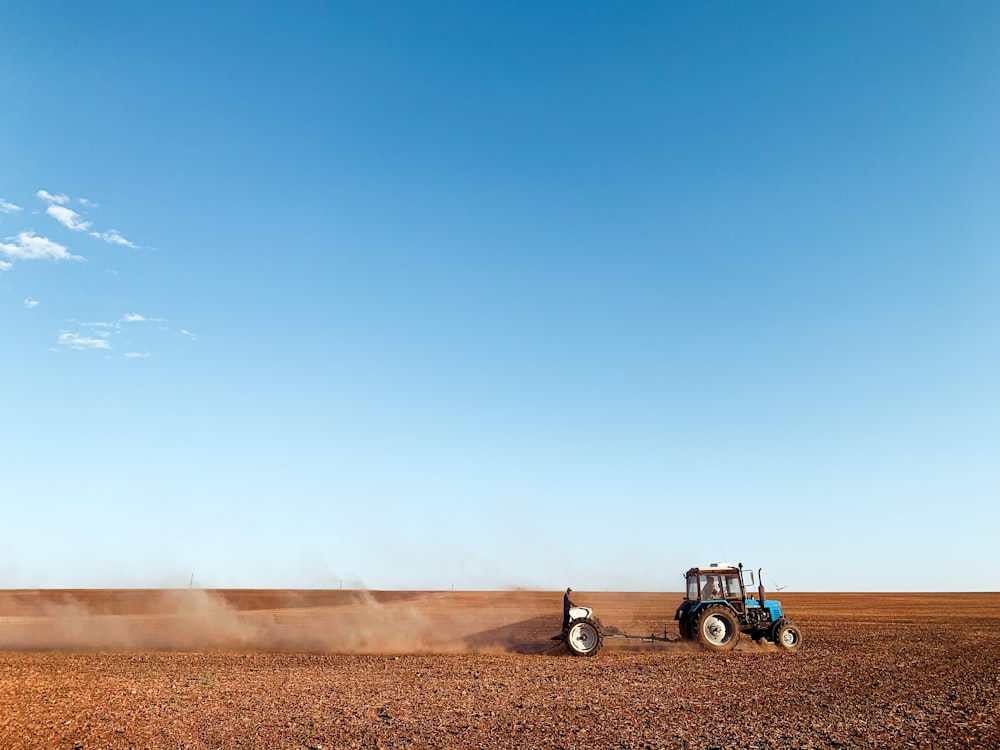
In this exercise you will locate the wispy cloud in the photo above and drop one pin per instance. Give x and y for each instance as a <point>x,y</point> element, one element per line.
<point>76,341</point>
<point>29,246</point>
<point>114,237</point>
<point>96,324</point>
<point>130,333</point>
<point>106,328</point>
<point>106,335</point>
<point>137,318</point>
<point>48,197</point>
<point>68,218</point>
<point>74,220</point>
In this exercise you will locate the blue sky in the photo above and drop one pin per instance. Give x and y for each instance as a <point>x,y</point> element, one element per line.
<point>499,294</point>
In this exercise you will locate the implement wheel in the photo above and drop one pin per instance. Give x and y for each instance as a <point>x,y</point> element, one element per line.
<point>584,637</point>
<point>717,629</point>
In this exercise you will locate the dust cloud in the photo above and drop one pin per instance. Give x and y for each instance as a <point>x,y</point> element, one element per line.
<point>195,619</point>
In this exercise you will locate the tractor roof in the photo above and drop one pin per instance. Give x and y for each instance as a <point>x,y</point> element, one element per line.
<point>715,568</point>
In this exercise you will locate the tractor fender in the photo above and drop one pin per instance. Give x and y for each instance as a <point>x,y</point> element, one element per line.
<point>693,608</point>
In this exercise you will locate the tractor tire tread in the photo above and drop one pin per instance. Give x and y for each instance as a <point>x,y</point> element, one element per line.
<point>717,610</point>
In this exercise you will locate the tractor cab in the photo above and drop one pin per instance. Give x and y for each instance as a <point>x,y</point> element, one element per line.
<point>717,582</point>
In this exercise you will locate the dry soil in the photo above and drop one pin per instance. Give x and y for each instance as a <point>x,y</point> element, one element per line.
<point>346,669</point>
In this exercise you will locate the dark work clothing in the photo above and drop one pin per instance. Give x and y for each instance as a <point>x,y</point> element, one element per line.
<point>567,603</point>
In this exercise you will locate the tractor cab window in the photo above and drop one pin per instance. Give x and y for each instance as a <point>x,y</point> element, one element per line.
<point>731,587</point>
<point>710,587</point>
<point>693,588</point>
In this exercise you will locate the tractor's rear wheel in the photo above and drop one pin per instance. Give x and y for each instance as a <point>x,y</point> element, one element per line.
<point>584,637</point>
<point>686,628</point>
<point>787,635</point>
<point>717,629</point>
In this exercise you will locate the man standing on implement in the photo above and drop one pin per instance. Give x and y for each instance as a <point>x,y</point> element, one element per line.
<point>567,603</point>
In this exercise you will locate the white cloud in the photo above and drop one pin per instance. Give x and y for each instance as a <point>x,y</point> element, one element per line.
<point>48,197</point>
<point>104,328</point>
<point>30,302</point>
<point>9,208</point>
<point>76,341</point>
<point>28,246</point>
<point>113,237</point>
<point>137,318</point>
<point>97,324</point>
<point>101,334</point>
<point>68,218</point>
<point>74,220</point>
<point>5,266</point>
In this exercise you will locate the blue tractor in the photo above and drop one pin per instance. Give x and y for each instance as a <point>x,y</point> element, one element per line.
<point>717,608</point>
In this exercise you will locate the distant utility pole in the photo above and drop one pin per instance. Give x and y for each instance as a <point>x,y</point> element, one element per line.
<point>191,582</point>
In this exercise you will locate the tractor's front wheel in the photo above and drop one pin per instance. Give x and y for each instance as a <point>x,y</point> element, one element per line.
<point>584,637</point>
<point>787,635</point>
<point>717,629</point>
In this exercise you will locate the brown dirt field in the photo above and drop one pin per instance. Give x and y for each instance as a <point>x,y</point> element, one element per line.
<point>337,669</point>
